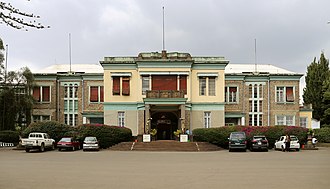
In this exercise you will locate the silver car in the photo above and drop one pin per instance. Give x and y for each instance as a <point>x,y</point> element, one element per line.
<point>91,143</point>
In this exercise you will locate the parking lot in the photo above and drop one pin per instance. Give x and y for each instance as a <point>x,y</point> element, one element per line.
<point>116,169</point>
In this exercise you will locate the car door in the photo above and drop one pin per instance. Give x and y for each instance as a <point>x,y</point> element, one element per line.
<point>47,140</point>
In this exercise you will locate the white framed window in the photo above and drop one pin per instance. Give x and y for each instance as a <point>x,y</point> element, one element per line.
<point>145,84</point>
<point>303,122</point>
<point>284,94</point>
<point>121,119</point>
<point>207,84</point>
<point>256,104</point>
<point>231,94</point>
<point>288,120</point>
<point>207,119</point>
<point>71,104</point>
<point>37,118</point>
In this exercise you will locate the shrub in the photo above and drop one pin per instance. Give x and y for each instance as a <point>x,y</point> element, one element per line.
<point>107,135</point>
<point>54,129</point>
<point>219,136</point>
<point>9,137</point>
<point>323,134</point>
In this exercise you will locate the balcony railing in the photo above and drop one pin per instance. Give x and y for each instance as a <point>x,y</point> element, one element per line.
<point>165,94</point>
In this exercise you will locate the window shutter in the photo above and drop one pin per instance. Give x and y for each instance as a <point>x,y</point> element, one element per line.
<point>93,94</point>
<point>36,94</point>
<point>125,84</point>
<point>116,86</point>
<point>164,82</point>
<point>101,94</point>
<point>183,84</point>
<point>289,94</point>
<point>45,94</point>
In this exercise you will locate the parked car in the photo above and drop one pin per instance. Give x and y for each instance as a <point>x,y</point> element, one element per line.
<point>237,140</point>
<point>68,143</point>
<point>259,142</point>
<point>294,144</point>
<point>39,141</point>
<point>91,143</point>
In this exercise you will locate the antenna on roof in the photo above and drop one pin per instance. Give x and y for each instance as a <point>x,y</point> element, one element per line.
<point>70,50</point>
<point>163,29</point>
<point>255,55</point>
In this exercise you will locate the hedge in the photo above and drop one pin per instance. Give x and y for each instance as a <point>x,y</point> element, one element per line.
<point>9,137</point>
<point>219,136</point>
<point>54,129</point>
<point>323,134</point>
<point>106,135</point>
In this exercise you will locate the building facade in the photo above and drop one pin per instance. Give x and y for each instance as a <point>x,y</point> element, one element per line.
<point>169,91</point>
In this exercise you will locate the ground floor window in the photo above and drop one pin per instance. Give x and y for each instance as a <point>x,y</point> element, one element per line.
<point>285,120</point>
<point>303,122</point>
<point>207,119</point>
<point>121,119</point>
<point>37,118</point>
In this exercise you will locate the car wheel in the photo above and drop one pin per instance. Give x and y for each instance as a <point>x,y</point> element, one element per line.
<point>53,146</point>
<point>42,147</point>
<point>27,149</point>
<point>230,150</point>
<point>266,150</point>
<point>297,149</point>
<point>59,149</point>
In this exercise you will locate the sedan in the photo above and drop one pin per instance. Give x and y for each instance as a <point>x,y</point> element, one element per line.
<point>91,143</point>
<point>259,143</point>
<point>68,143</point>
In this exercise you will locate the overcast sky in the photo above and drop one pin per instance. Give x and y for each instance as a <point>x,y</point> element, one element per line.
<point>289,33</point>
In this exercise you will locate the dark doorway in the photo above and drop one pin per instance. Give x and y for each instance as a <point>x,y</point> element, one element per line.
<point>165,123</point>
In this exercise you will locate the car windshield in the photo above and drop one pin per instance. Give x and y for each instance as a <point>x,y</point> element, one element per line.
<point>65,140</point>
<point>293,138</point>
<point>238,135</point>
<point>91,139</point>
<point>259,138</point>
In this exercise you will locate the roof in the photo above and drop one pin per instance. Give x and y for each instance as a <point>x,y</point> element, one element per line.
<point>253,68</point>
<point>61,68</point>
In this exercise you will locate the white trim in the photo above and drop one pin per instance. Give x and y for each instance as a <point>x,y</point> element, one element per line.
<point>211,74</point>
<point>163,73</point>
<point>121,74</point>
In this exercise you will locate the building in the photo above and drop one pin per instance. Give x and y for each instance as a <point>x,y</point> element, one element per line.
<point>168,91</point>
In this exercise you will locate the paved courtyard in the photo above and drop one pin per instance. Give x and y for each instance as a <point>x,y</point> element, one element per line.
<point>115,169</point>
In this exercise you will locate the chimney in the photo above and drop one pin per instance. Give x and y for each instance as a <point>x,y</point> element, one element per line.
<point>164,55</point>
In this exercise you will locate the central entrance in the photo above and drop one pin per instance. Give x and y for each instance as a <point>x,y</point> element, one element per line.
<point>165,123</point>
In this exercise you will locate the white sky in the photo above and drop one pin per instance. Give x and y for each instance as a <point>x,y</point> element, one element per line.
<point>289,33</point>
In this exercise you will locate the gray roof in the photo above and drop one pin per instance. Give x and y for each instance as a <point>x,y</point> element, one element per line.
<point>61,68</point>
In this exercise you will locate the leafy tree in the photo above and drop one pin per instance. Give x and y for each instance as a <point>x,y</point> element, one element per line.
<point>15,18</point>
<point>317,73</point>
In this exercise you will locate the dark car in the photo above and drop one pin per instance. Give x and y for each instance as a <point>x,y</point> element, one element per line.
<point>259,143</point>
<point>237,140</point>
<point>68,143</point>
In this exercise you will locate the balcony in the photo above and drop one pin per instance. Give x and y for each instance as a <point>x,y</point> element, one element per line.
<point>164,94</point>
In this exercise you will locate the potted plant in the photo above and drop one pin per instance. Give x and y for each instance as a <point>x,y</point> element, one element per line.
<point>153,133</point>
<point>177,134</point>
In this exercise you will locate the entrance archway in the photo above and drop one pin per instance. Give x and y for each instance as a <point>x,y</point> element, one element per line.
<point>165,123</point>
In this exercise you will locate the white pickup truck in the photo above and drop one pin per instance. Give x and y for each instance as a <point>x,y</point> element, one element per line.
<point>39,141</point>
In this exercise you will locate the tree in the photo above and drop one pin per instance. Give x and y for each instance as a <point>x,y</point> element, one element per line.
<point>325,119</point>
<point>317,73</point>
<point>15,18</point>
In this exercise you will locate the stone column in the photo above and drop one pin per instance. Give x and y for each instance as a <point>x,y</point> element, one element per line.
<point>147,126</point>
<point>183,117</point>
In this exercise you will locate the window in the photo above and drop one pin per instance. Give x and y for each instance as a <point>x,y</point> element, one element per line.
<point>231,94</point>
<point>145,84</point>
<point>207,84</point>
<point>96,94</point>
<point>288,120</point>
<point>207,119</point>
<point>255,104</point>
<point>303,122</point>
<point>120,84</point>
<point>183,84</point>
<point>37,118</point>
<point>121,119</point>
<point>284,94</point>
<point>41,94</point>
<point>71,104</point>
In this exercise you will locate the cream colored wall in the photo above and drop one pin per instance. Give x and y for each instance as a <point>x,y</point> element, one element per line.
<point>111,118</point>
<point>197,119</point>
<point>220,83</point>
<point>309,118</point>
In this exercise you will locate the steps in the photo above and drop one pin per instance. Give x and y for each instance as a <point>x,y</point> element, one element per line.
<point>165,145</point>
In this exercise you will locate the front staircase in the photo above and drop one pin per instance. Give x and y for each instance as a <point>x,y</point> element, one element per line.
<point>165,145</point>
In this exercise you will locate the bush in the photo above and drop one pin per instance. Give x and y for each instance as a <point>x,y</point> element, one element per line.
<point>107,135</point>
<point>54,129</point>
<point>219,136</point>
<point>9,137</point>
<point>323,134</point>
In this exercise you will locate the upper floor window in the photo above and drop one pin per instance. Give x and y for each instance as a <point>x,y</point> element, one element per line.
<point>284,94</point>
<point>96,94</point>
<point>231,94</point>
<point>285,120</point>
<point>145,84</point>
<point>41,93</point>
<point>207,84</point>
<point>120,84</point>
